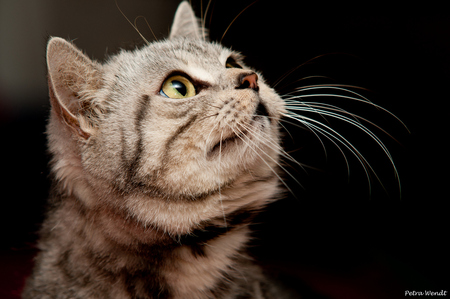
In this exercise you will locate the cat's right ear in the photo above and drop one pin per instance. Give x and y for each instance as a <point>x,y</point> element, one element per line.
<point>72,77</point>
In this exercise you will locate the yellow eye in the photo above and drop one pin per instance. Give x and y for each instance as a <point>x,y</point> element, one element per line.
<point>178,87</point>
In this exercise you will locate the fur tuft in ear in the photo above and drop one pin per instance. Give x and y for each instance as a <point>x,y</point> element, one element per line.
<point>72,79</point>
<point>185,24</point>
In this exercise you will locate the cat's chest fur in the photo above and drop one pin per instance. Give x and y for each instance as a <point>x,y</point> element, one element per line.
<point>100,254</point>
<point>161,159</point>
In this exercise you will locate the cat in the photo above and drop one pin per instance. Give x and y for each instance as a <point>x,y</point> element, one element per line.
<point>161,159</point>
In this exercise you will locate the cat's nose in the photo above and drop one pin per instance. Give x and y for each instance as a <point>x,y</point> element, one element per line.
<point>248,81</point>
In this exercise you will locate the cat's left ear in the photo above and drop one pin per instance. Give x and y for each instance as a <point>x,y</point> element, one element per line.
<point>185,24</point>
<point>72,80</point>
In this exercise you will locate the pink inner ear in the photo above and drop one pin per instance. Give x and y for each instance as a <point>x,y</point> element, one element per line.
<point>63,114</point>
<point>70,73</point>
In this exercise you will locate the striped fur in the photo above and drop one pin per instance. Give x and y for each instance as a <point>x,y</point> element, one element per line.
<point>153,196</point>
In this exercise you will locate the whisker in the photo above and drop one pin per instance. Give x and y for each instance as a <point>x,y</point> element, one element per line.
<point>149,27</point>
<point>330,134</point>
<point>203,19</point>
<point>201,119</point>
<point>347,120</point>
<point>208,116</point>
<point>296,82</point>
<point>359,98</point>
<point>318,106</point>
<point>209,135</point>
<point>305,126</point>
<point>345,87</point>
<point>284,127</point>
<point>211,105</point>
<point>226,30</point>
<point>219,182</point>
<point>239,133</point>
<point>286,74</point>
<point>283,152</point>
<point>272,144</point>
<point>135,28</point>
<point>335,139</point>
<point>211,14</point>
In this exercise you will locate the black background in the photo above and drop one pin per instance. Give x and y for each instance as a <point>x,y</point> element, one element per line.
<point>334,238</point>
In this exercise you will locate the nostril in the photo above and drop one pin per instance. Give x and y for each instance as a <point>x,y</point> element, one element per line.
<point>248,81</point>
<point>244,84</point>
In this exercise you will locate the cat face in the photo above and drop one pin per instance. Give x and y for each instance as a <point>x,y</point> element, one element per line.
<point>182,123</point>
<point>179,120</point>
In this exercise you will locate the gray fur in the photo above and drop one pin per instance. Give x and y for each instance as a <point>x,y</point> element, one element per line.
<point>153,196</point>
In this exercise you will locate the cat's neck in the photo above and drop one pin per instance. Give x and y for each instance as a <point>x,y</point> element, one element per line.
<point>198,264</point>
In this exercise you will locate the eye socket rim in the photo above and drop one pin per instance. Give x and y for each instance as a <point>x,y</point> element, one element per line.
<point>191,89</point>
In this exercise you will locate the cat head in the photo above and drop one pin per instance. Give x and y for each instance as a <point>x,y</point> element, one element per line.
<point>178,120</point>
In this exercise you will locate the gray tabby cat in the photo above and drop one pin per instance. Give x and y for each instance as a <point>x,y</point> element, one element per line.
<point>161,158</point>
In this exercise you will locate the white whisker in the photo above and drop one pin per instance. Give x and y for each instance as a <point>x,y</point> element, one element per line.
<point>239,133</point>
<point>133,25</point>
<point>226,30</point>
<point>219,181</point>
<point>307,128</point>
<point>336,139</point>
<point>318,106</point>
<point>357,97</point>
<point>349,121</point>
<point>296,104</point>
<point>285,75</point>
<point>331,134</point>
<point>203,19</point>
<point>201,119</point>
<point>209,135</point>
<point>148,25</point>
<point>271,144</point>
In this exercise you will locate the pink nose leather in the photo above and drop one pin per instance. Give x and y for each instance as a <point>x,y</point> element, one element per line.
<point>250,81</point>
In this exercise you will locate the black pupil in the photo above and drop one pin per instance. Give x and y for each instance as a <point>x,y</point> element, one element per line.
<point>180,87</point>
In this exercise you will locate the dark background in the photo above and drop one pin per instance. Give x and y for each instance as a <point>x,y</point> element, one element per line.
<point>334,238</point>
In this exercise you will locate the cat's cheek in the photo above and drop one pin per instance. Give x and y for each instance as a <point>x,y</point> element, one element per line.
<point>196,177</point>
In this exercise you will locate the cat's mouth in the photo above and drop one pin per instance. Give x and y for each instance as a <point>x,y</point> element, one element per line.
<point>223,145</point>
<point>261,110</point>
<point>240,136</point>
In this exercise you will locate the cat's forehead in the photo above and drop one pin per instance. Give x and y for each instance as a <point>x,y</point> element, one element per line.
<point>193,56</point>
<point>187,50</point>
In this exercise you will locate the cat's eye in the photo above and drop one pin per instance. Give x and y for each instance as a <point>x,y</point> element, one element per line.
<point>178,87</point>
<point>231,63</point>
